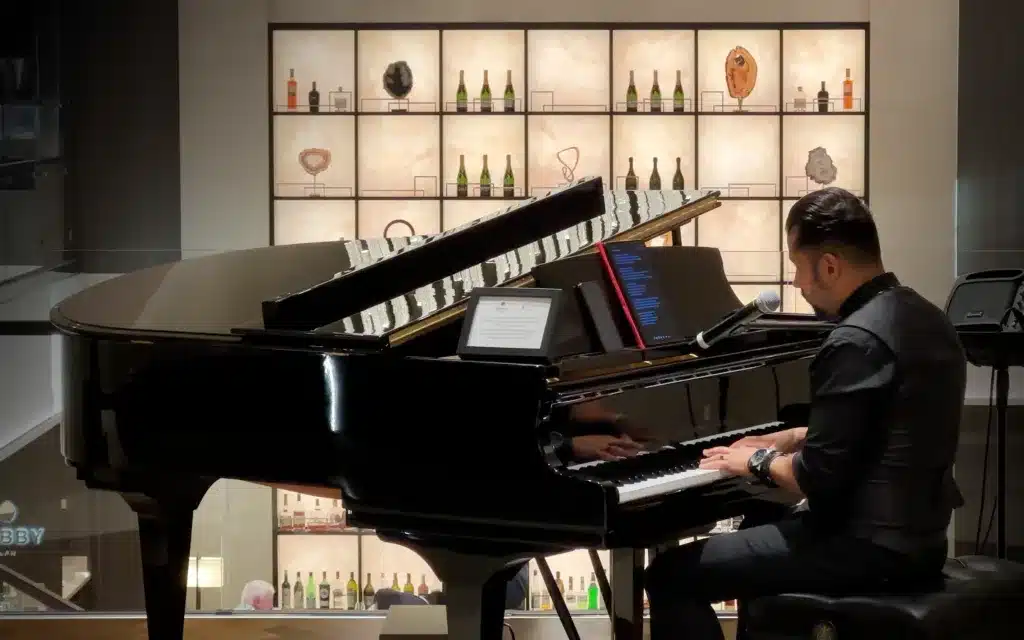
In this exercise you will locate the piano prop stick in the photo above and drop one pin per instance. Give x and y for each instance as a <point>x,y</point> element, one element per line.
<point>765,302</point>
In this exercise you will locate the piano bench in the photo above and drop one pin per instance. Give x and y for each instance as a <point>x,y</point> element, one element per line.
<point>979,598</point>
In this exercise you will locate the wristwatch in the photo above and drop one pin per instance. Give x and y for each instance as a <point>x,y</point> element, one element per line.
<point>760,466</point>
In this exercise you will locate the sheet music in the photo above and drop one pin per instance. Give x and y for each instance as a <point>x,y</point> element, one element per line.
<point>509,323</point>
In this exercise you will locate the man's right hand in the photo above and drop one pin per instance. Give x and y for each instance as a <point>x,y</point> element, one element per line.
<point>787,441</point>
<point>603,447</point>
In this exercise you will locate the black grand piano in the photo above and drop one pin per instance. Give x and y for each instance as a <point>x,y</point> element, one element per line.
<point>322,364</point>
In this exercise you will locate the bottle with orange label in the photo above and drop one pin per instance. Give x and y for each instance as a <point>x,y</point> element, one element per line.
<point>293,91</point>
<point>848,92</point>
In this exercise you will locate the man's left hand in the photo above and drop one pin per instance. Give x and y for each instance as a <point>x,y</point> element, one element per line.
<point>732,460</point>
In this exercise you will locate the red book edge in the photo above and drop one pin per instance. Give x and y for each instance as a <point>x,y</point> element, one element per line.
<point>619,294</point>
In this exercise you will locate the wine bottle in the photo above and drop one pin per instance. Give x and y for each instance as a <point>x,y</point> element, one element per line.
<point>311,593</point>
<point>394,583</point>
<point>654,184</point>
<point>485,95</point>
<point>655,94</point>
<point>325,592</point>
<point>462,180</point>
<point>800,101</point>
<point>286,593</point>
<point>581,596</point>
<point>314,99</point>
<point>461,95</point>
<point>570,595</point>
<point>632,184</point>
<point>408,586</point>
<point>559,583</point>
<point>678,183</point>
<point>509,181</point>
<point>423,589</point>
<point>823,99</point>
<point>592,593</point>
<point>510,93</point>
<point>293,91</point>
<point>848,92</point>
<point>368,593</point>
<point>299,599</point>
<point>485,180</point>
<point>678,102</point>
<point>351,590</point>
<point>631,95</point>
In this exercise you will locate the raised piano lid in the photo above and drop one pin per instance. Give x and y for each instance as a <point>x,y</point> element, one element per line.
<point>627,215</point>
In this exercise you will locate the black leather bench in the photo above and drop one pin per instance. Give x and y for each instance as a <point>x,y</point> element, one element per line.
<point>979,598</point>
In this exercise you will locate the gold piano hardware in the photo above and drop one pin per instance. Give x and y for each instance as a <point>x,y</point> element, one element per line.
<point>585,374</point>
<point>643,233</point>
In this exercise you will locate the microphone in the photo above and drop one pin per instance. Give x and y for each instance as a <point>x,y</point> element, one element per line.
<point>765,302</point>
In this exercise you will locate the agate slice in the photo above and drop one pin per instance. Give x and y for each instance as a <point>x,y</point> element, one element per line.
<point>740,73</point>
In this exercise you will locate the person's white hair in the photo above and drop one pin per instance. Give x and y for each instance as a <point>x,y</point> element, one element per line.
<point>255,590</point>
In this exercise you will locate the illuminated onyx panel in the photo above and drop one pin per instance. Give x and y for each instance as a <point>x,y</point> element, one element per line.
<point>739,155</point>
<point>396,218</point>
<point>745,231</point>
<point>748,292</point>
<point>295,134</point>
<point>646,51</point>
<point>383,560</point>
<point>298,221</point>
<point>499,52</point>
<point>419,49</point>
<point>457,212</point>
<point>316,554</point>
<point>829,148</point>
<point>568,70</point>
<point>813,56</point>
<point>713,49</point>
<point>495,136</point>
<point>399,156</point>
<point>645,139</point>
<point>566,147</point>
<point>324,57</point>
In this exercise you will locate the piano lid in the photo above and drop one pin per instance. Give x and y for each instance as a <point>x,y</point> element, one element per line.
<point>627,215</point>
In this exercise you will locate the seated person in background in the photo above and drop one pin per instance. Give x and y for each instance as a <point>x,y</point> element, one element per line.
<point>875,461</point>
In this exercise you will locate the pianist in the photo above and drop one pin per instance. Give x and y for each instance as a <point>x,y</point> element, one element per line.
<point>875,461</point>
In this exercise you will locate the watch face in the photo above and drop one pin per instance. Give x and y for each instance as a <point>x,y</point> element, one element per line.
<point>758,457</point>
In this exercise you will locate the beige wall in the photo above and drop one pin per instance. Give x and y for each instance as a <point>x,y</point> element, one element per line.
<point>224,145</point>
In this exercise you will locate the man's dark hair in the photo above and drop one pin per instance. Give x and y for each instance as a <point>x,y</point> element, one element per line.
<point>834,220</point>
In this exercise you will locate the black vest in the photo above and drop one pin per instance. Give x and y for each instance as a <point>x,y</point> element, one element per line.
<point>907,494</point>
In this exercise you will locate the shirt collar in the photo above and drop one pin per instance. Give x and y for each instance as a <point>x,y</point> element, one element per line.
<point>866,292</point>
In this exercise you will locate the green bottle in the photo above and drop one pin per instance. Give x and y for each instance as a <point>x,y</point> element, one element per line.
<point>655,95</point>
<point>510,93</point>
<point>461,95</point>
<point>311,592</point>
<point>485,95</point>
<point>592,594</point>
<point>462,180</point>
<point>509,181</point>
<point>678,103</point>
<point>631,95</point>
<point>485,180</point>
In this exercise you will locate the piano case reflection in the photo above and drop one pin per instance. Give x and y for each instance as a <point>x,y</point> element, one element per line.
<point>263,365</point>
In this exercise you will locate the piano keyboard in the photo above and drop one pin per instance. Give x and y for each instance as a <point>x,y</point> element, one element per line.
<point>672,468</point>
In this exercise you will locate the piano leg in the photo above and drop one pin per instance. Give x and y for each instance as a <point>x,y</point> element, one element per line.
<point>165,536</point>
<point>627,604</point>
<point>557,600</point>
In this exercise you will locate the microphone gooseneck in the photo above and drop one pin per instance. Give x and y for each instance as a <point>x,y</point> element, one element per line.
<point>765,302</point>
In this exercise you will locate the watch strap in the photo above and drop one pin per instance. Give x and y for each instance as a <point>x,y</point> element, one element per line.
<point>760,466</point>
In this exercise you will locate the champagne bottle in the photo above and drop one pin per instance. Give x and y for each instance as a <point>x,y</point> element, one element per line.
<point>286,593</point>
<point>423,589</point>
<point>535,592</point>
<point>632,184</point>
<point>678,184</point>
<point>351,590</point>
<point>325,592</point>
<point>654,184</point>
<point>485,180</point>
<point>510,93</point>
<point>559,583</point>
<point>299,600</point>
<point>368,593</point>
<point>314,100</point>
<point>678,102</point>
<point>823,99</point>
<point>592,594</point>
<point>462,180</point>
<point>293,91</point>
<point>394,583</point>
<point>631,95</point>
<point>311,593</point>
<point>581,597</point>
<point>408,587</point>
<point>848,91</point>
<point>509,181</point>
<point>655,95</point>
<point>461,95</point>
<point>570,596</point>
<point>485,95</point>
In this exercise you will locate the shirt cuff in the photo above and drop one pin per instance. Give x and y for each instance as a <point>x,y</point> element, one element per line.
<point>800,472</point>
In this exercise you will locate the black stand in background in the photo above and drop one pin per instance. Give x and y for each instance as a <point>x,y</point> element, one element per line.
<point>1002,400</point>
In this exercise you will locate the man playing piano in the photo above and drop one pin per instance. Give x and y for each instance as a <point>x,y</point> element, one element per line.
<point>875,460</point>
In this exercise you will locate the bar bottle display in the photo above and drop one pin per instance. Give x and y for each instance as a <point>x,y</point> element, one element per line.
<point>485,180</point>
<point>485,95</point>
<point>631,94</point>
<point>509,181</point>
<point>510,93</point>
<point>632,184</point>
<point>655,95</point>
<point>678,99</point>
<point>678,183</point>
<point>462,179</point>
<point>461,95</point>
<point>654,184</point>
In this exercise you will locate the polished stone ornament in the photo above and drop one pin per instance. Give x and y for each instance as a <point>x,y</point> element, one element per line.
<point>820,168</point>
<point>398,80</point>
<point>740,74</point>
<point>315,161</point>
